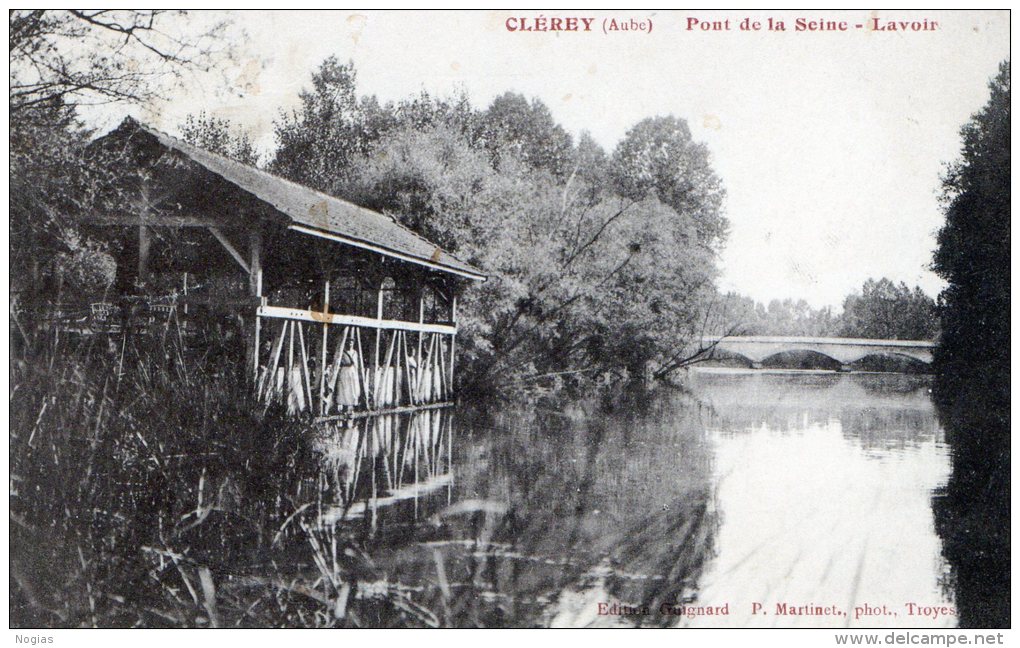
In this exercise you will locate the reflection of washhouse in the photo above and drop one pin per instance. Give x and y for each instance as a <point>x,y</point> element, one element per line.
<point>379,462</point>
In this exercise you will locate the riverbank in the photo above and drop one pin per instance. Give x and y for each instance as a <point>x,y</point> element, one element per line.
<point>158,497</point>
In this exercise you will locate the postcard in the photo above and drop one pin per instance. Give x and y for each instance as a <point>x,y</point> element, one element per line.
<point>510,319</point>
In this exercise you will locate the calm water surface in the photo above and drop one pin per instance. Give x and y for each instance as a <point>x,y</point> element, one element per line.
<point>778,489</point>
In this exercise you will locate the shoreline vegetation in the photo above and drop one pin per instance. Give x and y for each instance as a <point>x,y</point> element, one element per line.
<point>150,491</point>
<point>972,374</point>
<point>144,481</point>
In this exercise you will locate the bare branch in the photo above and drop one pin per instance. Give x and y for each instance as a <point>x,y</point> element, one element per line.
<point>75,57</point>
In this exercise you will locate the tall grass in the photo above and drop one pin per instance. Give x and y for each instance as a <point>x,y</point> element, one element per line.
<point>147,489</point>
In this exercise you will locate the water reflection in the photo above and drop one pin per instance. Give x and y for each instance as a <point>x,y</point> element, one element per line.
<point>795,489</point>
<point>527,518</point>
<point>824,483</point>
<point>382,462</point>
<point>972,512</point>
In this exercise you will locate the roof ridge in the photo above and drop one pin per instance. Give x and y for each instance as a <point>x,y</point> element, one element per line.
<point>182,143</point>
<point>184,147</point>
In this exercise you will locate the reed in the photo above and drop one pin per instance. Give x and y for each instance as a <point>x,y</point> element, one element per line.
<point>148,489</point>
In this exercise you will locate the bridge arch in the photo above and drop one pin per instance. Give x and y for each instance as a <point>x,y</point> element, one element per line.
<point>912,359</point>
<point>804,355</point>
<point>845,351</point>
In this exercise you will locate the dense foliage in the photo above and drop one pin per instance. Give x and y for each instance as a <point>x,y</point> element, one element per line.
<point>600,264</point>
<point>973,246</point>
<point>972,362</point>
<point>52,179</point>
<point>885,310</point>
<point>61,61</point>
<point>881,310</point>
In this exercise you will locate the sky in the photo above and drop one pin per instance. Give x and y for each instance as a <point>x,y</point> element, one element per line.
<point>830,144</point>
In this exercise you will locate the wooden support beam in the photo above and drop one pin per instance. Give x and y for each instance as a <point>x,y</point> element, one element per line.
<point>408,377</point>
<point>255,261</point>
<point>378,331</point>
<point>427,371</point>
<point>289,377</point>
<point>385,251</point>
<point>361,369</point>
<point>325,341</point>
<point>229,247</point>
<point>158,220</point>
<point>144,243</point>
<point>421,320</point>
<point>381,393</point>
<point>333,379</point>
<point>268,382</point>
<point>441,367</point>
<point>255,285</point>
<point>453,340</point>
<point>304,365</point>
<point>280,312</point>
<point>453,345</point>
<point>255,349</point>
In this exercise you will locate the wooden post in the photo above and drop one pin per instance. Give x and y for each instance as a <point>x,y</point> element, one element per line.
<point>144,242</point>
<point>268,382</point>
<point>381,395</point>
<point>453,340</point>
<point>441,366</point>
<point>361,369</point>
<point>378,337</point>
<point>408,377</point>
<point>322,367</point>
<point>255,262</point>
<point>449,453</point>
<point>421,319</point>
<point>255,285</point>
<point>426,370</point>
<point>289,377</point>
<point>304,365</point>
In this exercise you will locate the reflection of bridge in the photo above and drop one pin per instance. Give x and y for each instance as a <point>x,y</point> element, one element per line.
<point>842,350</point>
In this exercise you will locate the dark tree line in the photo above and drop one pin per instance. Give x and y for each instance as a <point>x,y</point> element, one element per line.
<point>972,362</point>
<point>881,310</point>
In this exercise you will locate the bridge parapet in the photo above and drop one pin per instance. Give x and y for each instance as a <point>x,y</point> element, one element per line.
<point>843,350</point>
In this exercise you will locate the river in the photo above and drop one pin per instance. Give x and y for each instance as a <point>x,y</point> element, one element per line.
<point>753,498</point>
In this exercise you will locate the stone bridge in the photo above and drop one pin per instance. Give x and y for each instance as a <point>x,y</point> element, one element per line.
<point>843,350</point>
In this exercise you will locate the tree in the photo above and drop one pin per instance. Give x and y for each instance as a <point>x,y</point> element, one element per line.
<point>219,136</point>
<point>512,126</point>
<point>61,61</point>
<point>317,141</point>
<point>973,246</point>
<point>972,369</point>
<point>79,57</point>
<point>423,111</point>
<point>658,157</point>
<point>53,178</point>
<point>581,280</point>
<point>884,310</point>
